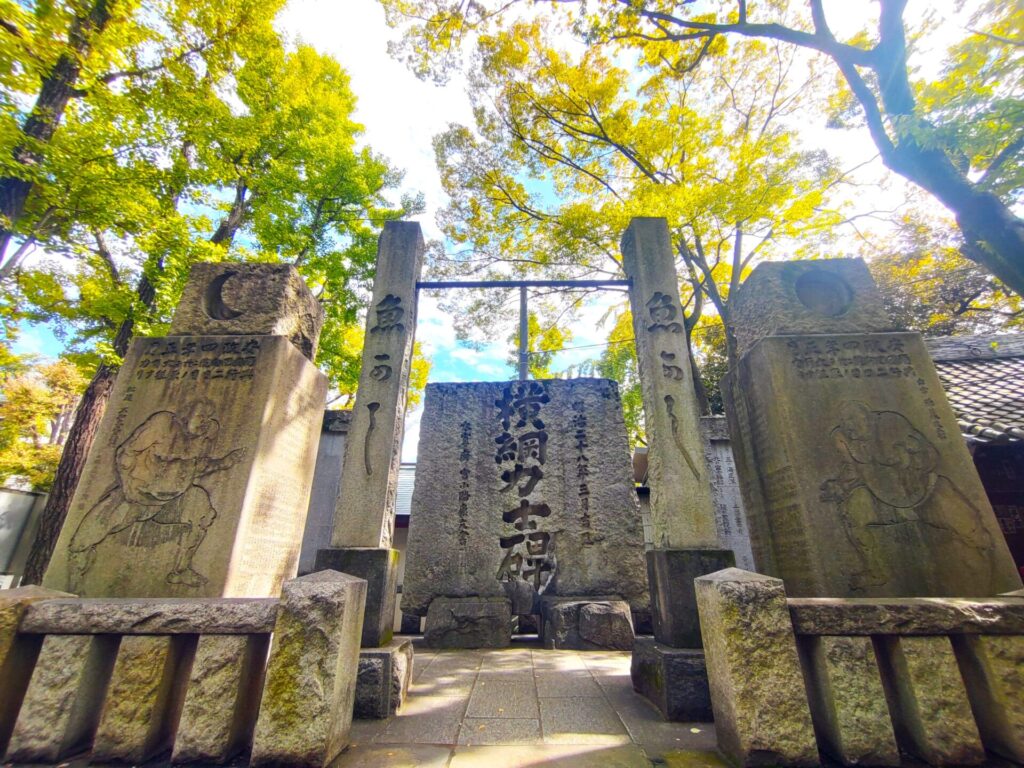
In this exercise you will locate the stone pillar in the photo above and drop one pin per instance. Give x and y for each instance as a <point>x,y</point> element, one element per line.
<point>685,535</point>
<point>364,519</point>
<point>993,670</point>
<point>856,480</point>
<point>198,479</point>
<point>682,513</point>
<point>762,716</point>
<point>309,693</point>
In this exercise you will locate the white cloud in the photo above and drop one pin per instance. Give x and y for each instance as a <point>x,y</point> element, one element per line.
<point>400,112</point>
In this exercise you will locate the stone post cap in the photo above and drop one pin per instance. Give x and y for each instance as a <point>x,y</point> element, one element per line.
<point>737,576</point>
<point>825,296</point>
<point>232,299</point>
<point>321,582</point>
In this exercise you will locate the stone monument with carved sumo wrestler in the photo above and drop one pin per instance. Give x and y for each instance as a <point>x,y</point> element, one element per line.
<point>855,478</point>
<point>198,480</point>
<point>523,501</point>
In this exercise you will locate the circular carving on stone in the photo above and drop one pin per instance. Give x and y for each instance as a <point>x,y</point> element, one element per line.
<point>823,292</point>
<point>213,299</point>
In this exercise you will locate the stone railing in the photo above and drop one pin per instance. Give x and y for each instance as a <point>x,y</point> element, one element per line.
<point>202,680</point>
<point>861,680</point>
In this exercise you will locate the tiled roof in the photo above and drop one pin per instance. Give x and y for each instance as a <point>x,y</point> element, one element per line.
<point>984,380</point>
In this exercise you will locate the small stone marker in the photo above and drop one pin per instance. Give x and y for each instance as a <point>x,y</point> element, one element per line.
<point>931,713</point>
<point>993,670</point>
<point>523,489</point>
<point>144,695</point>
<point>847,701</point>
<point>855,478</point>
<point>222,698</point>
<point>753,666</point>
<point>309,694</point>
<point>199,477</point>
<point>62,705</point>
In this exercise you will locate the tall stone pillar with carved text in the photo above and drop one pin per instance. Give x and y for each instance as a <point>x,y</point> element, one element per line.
<point>364,518</point>
<point>682,513</point>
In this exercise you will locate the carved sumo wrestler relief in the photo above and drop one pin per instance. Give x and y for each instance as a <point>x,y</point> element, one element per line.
<point>159,468</point>
<point>889,481</point>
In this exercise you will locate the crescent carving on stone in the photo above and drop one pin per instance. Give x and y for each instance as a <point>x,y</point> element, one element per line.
<point>213,299</point>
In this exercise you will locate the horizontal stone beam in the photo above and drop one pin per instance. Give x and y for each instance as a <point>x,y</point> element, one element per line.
<point>907,616</point>
<point>151,616</point>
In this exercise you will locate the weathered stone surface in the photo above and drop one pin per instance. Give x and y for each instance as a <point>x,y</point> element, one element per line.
<point>855,478</point>
<point>468,623</point>
<point>17,652</point>
<point>61,708</point>
<point>906,616</point>
<point>379,567</point>
<point>152,616</point>
<point>524,489</point>
<point>384,677</point>
<point>675,680</point>
<point>670,574</point>
<point>323,496</point>
<point>682,514</point>
<point>222,699</point>
<point>199,477</point>
<point>848,706</point>
<point>249,299</point>
<point>726,495</point>
<point>365,513</point>
<point>757,687</point>
<point>594,624</point>
<point>143,699</point>
<point>785,298</point>
<point>926,696</point>
<point>993,670</point>
<point>309,694</point>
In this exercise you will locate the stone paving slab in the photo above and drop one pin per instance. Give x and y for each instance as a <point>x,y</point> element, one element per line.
<point>527,707</point>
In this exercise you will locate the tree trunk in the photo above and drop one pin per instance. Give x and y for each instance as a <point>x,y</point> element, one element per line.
<point>55,92</point>
<point>72,460</point>
<point>87,421</point>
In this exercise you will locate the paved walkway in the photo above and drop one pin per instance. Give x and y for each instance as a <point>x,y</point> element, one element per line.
<point>526,706</point>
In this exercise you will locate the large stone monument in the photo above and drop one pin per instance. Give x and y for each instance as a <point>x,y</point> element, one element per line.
<point>686,542</point>
<point>364,520</point>
<point>523,498</point>
<point>199,476</point>
<point>855,477</point>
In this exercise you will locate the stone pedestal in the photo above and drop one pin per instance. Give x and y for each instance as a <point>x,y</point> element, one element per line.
<point>675,680</point>
<point>379,567</point>
<point>198,480</point>
<point>673,601</point>
<point>855,477</point>
<point>586,625</point>
<point>384,677</point>
<point>469,622</point>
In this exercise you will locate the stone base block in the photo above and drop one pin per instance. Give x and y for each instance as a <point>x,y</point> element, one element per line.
<point>675,680</point>
<point>468,622</point>
<point>586,624</point>
<point>383,681</point>
<point>670,574</point>
<point>379,567</point>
